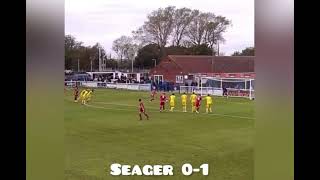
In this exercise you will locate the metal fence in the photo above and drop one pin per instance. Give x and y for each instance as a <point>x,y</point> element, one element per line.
<point>92,84</point>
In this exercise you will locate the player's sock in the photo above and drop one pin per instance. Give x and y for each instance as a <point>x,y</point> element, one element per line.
<point>210,110</point>
<point>140,117</point>
<point>147,116</point>
<point>207,110</point>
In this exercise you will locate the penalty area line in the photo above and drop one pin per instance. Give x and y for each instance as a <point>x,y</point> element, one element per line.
<point>212,114</point>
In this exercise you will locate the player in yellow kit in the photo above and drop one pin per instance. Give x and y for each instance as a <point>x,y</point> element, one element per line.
<point>172,102</point>
<point>83,96</point>
<point>89,95</point>
<point>184,98</point>
<point>193,99</point>
<point>209,103</point>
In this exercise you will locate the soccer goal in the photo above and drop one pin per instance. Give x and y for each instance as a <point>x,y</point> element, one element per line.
<point>236,87</point>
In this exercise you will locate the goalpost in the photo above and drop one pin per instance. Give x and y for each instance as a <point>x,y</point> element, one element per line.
<point>236,87</point>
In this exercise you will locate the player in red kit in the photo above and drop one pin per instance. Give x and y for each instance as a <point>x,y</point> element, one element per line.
<point>198,103</point>
<point>163,99</point>
<point>153,93</point>
<point>142,110</point>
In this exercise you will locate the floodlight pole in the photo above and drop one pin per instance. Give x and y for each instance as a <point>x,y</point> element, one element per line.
<point>132,65</point>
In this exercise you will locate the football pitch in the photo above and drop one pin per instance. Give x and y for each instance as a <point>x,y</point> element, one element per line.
<point>108,130</point>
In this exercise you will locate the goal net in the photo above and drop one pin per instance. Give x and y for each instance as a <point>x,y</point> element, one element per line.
<point>235,87</point>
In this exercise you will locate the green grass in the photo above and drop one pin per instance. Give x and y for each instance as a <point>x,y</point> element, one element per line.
<point>108,131</point>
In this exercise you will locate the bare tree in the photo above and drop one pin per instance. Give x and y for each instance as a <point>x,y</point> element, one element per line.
<point>183,27</point>
<point>197,28</point>
<point>215,29</point>
<point>121,46</point>
<point>141,38</point>
<point>207,28</point>
<point>158,26</point>
<point>127,49</point>
<point>181,19</point>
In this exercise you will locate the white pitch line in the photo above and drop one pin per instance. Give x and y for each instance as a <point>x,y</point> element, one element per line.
<point>100,107</point>
<point>213,114</point>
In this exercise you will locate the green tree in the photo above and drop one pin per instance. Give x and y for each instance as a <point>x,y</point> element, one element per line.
<point>74,51</point>
<point>249,51</point>
<point>146,55</point>
<point>71,52</point>
<point>178,50</point>
<point>202,49</point>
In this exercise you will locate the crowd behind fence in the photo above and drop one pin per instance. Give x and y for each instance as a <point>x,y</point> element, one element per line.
<point>93,84</point>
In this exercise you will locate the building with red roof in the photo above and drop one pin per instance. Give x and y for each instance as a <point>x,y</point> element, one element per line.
<point>179,68</point>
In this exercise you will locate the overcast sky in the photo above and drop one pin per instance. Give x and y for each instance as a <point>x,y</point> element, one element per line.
<point>103,21</point>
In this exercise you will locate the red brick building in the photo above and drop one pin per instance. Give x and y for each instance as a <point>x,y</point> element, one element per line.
<point>179,68</point>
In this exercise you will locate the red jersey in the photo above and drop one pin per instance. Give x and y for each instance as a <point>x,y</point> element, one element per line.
<point>163,98</point>
<point>76,91</point>
<point>141,107</point>
<point>198,100</point>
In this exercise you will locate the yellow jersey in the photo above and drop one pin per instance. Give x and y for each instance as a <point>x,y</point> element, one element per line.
<point>184,98</point>
<point>89,94</point>
<point>193,97</point>
<point>209,99</point>
<point>83,92</point>
<point>172,98</point>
